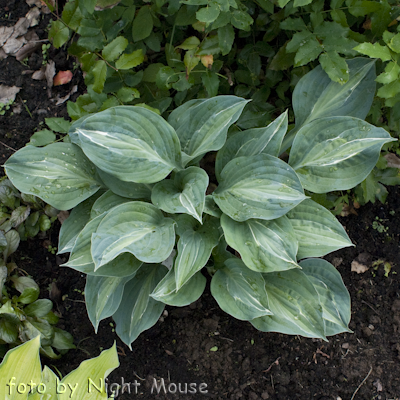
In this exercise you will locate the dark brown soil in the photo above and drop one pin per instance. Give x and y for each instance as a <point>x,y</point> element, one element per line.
<point>247,364</point>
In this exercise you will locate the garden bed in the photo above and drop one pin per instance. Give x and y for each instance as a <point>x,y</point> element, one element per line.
<point>200,344</point>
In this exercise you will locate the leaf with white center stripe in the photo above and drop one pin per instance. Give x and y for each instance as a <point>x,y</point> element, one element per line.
<point>260,186</point>
<point>294,303</point>
<point>131,143</point>
<point>264,246</point>
<point>103,296</point>
<point>60,174</point>
<point>336,153</point>
<point>135,227</point>
<point>138,311</point>
<point>317,231</point>
<point>194,247</point>
<point>333,295</point>
<point>251,142</point>
<point>185,193</point>
<point>239,291</point>
<point>202,125</point>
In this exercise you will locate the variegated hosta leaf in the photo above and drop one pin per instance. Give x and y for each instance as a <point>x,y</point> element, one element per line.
<point>185,193</point>
<point>194,247</point>
<point>264,246</point>
<point>166,291</point>
<point>135,227</point>
<point>251,142</point>
<point>239,291</point>
<point>202,125</point>
<point>81,258</point>
<point>294,303</point>
<point>333,295</point>
<point>97,369</point>
<point>260,186</point>
<point>20,365</point>
<point>317,231</point>
<point>138,311</point>
<point>106,202</point>
<point>131,190</point>
<point>50,379</point>
<point>317,96</point>
<point>103,296</point>
<point>336,153</point>
<point>132,143</point>
<point>60,174</point>
<point>76,221</point>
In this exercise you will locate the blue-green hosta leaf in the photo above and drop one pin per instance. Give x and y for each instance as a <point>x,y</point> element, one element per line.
<point>105,203</point>
<point>132,143</point>
<point>294,303</point>
<point>131,190</point>
<point>317,230</point>
<point>138,311</point>
<point>333,295</point>
<point>183,194</point>
<point>251,142</point>
<point>316,96</point>
<point>336,153</point>
<point>135,227</point>
<point>260,186</point>
<point>264,246</point>
<point>97,369</point>
<point>76,221</point>
<point>202,125</point>
<point>103,296</point>
<point>59,174</point>
<point>194,247</point>
<point>239,291</point>
<point>166,291</point>
<point>81,258</point>
<point>20,366</point>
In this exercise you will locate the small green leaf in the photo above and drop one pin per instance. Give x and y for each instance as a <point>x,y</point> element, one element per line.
<point>226,38</point>
<point>241,20</point>
<point>59,125</point>
<point>335,66</point>
<point>191,43</point>
<point>99,72</point>
<point>42,138</point>
<point>114,49</point>
<point>127,94</point>
<point>209,13</point>
<point>391,74</point>
<point>128,61</point>
<point>142,25</point>
<point>59,32</point>
<point>211,83</point>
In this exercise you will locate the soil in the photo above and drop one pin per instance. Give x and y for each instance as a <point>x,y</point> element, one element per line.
<point>247,364</point>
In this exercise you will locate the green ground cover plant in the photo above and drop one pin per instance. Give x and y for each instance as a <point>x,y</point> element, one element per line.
<point>22,377</point>
<point>22,314</point>
<point>153,204</point>
<point>164,53</point>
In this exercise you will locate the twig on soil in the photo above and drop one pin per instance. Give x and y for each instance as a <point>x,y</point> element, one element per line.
<point>369,305</point>
<point>362,383</point>
<point>7,146</point>
<point>222,337</point>
<point>276,362</point>
<point>137,376</point>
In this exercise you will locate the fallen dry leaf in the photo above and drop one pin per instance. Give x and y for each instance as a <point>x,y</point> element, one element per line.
<point>62,78</point>
<point>8,93</point>
<point>33,16</point>
<point>49,73</point>
<point>358,267</point>
<point>39,74</point>
<point>62,216</point>
<point>62,100</point>
<point>392,160</point>
<point>5,34</point>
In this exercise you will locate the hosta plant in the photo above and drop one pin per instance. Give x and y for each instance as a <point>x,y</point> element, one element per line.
<point>21,376</point>
<point>149,213</point>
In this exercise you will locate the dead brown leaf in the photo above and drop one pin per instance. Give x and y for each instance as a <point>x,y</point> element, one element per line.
<point>62,216</point>
<point>358,267</point>
<point>62,78</point>
<point>49,73</point>
<point>392,160</point>
<point>8,93</point>
<point>39,74</point>
<point>62,100</point>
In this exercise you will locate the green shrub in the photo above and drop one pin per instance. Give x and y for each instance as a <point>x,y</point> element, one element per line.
<point>145,197</point>
<point>21,376</point>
